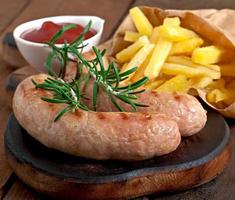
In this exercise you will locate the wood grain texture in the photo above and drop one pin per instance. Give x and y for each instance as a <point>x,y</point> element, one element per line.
<point>19,191</point>
<point>10,53</point>
<point>187,4</point>
<point>153,183</point>
<point>10,10</point>
<point>113,11</point>
<point>6,96</point>
<point>5,170</point>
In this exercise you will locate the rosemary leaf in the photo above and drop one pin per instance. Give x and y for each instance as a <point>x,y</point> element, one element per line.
<point>62,112</point>
<point>115,103</point>
<point>48,64</point>
<point>128,72</point>
<point>61,32</point>
<point>54,100</point>
<point>100,61</point>
<point>81,37</point>
<point>116,73</point>
<point>127,100</point>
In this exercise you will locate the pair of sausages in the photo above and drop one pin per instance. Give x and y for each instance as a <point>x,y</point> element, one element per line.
<point>155,130</point>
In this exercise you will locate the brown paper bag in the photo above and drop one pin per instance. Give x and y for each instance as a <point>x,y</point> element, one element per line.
<point>216,26</point>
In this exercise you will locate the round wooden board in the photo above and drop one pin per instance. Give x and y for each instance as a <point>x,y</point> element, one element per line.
<point>198,159</point>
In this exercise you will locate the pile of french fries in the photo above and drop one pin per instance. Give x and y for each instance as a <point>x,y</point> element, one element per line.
<point>177,59</point>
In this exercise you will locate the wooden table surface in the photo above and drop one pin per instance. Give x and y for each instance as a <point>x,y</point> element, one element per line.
<point>14,12</point>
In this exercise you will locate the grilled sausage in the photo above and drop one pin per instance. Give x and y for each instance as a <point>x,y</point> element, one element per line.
<point>185,109</point>
<point>98,135</point>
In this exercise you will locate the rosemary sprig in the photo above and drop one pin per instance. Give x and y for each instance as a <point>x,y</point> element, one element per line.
<point>107,79</point>
<point>110,79</point>
<point>61,53</point>
<point>67,93</point>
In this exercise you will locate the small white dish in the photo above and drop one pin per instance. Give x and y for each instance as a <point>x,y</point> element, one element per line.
<point>36,53</point>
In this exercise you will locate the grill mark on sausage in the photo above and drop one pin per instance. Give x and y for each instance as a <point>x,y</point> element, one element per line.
<point>177,97</point>
<point>78,113</point>
<point>100,116</point>
<point>154,93</point>
<point>124,116</point>
<point>52,106</point>
<point>148,117</point>
<point>145,117</point>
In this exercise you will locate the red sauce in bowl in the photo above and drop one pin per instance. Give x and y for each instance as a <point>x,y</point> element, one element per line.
<point>48,30</point>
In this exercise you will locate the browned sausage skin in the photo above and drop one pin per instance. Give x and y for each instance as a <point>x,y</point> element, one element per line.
<point>185,109</point>
<point>98,135</point>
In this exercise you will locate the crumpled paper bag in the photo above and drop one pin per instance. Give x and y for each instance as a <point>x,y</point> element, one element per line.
<point>216,26</point>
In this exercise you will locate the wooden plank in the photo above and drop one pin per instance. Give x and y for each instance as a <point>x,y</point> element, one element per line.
<point>111,11</point>
<point>187,4</point>
<point>9,10</point>
<point>20,192</point>
<point>6,96</point>
<point>5,170</point>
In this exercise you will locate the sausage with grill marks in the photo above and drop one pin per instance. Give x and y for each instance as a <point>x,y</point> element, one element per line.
<point>97,135</point>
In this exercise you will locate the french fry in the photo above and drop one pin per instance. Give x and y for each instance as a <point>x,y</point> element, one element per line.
<point>205,70</point>
<point>141,22</point>
<point>123,68</point>
<point>171,21</point>
<point>228,70</point>
<point>154,36</point>
<point>174,21</point>
<point>172,58</point>
<point>177,83</point>
<point>209,72</point>
<point>200,82</point>
<point>126,54</point>
<point>174,69</point>
<point>139,58</point>
<point>216,96</point>
<point>176,34</point>
<point>214,67</point>
<point>151,85</point>
<point>184,60</point>
<point>221,95</point>
<point>207,55</point>
<point>160,53</point>
<point>131,36</point>
<point>186,47</point>
<point>217,84</point>
<point>140,71</point>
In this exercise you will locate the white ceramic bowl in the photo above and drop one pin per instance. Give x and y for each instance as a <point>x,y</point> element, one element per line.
<point>36,53</point>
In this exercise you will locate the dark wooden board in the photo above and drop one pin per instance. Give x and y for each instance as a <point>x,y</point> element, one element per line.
<point>199,159</point>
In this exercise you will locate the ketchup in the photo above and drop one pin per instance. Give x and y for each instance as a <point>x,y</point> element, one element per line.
<point>48,30</point>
